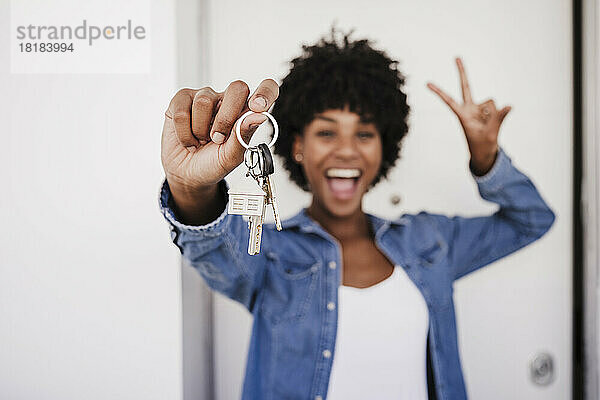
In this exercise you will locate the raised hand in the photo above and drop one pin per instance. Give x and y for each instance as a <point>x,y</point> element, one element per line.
<point>198,148</point>
<point>480,122</point>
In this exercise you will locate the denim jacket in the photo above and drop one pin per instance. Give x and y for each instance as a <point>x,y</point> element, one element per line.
<point>291,286</point>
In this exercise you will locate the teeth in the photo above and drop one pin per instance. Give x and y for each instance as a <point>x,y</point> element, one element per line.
<point>343,173</point>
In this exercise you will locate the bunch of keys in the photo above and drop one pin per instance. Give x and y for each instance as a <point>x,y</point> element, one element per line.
<point>259,161</point>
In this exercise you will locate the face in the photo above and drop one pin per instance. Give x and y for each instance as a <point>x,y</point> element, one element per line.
<point>341,156</point>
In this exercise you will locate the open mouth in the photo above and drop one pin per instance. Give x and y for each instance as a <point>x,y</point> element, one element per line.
<point>343,182</point>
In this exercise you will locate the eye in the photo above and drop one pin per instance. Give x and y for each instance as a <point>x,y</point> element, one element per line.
<point>364,135</point>
<point>325,133</point>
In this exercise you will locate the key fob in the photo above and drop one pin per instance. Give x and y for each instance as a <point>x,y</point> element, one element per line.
<point>268,166</point>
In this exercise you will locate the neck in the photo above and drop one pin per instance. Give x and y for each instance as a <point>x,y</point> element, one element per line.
<point>353,226</point>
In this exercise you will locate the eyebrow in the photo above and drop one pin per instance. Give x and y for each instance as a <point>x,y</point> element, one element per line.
<point>363,119</point>
<point>325,118</point>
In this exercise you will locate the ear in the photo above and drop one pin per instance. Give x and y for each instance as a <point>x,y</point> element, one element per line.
<point>298,145</point>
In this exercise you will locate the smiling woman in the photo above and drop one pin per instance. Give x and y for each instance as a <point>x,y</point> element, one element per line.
<point>362,81</point>
<point>342,113</point>
<point>341,159</point>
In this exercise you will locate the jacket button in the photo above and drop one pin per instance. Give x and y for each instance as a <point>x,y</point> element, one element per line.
<point>332,265</point>
<point>326,353</point>
<point>318,398</point>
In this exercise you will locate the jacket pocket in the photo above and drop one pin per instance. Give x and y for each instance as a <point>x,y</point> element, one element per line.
<point>433,259</point>
<point>289,287</point>
<point>433,251</point>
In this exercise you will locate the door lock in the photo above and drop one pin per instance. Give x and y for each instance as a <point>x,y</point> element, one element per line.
<point>542,369</point>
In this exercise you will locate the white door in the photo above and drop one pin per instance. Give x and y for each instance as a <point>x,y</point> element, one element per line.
<point>517,52</point>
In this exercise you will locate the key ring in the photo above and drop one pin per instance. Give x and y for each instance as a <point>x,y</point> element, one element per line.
<point>238,134</point>
<point>251,162</point>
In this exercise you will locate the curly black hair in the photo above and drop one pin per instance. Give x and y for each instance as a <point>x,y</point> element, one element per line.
<point>332,75</point>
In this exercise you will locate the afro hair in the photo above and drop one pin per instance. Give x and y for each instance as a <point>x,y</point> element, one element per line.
<point>332,75</point>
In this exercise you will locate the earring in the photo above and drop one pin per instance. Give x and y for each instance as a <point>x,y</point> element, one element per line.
<point>298,157</point>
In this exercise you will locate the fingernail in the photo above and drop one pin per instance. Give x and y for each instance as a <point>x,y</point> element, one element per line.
<point>217,137</point>
<point>259,102</point>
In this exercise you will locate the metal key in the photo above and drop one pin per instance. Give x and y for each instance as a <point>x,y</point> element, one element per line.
<point>253,206</point>
<point>259,162</point>
<point>267,169</point>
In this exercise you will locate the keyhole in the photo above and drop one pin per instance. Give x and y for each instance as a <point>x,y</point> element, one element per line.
<point>395,199</point>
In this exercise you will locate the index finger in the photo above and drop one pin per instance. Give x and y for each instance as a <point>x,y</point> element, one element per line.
<point>464,83</point>
<point>447,99</point>
<point>179,112</point>
<point>264,96</point>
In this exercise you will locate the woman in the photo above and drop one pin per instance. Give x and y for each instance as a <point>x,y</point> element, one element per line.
<point>345,304</point>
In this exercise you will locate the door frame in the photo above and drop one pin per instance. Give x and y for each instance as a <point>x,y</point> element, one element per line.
<point>198,377</point>
<point>586,196</point>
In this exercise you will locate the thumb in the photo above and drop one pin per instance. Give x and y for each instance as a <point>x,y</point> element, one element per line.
<point>503,113</point>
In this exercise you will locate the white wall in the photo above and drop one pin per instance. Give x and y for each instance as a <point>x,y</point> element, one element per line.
<point>90,291</point>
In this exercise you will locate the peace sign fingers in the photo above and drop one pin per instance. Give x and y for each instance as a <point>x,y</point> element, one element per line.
<point>480,122</point>
<point>447,99</point>
<point>466,91</point>
<point>464,83</point>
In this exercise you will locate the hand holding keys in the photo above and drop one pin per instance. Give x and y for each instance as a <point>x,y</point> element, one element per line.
<point>259,161</point>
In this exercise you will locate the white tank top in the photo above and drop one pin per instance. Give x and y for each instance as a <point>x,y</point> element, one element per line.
<point>381,345</point>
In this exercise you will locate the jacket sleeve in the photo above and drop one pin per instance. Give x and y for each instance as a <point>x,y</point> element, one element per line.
<point>218,251</point>
<point>522,218</point>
